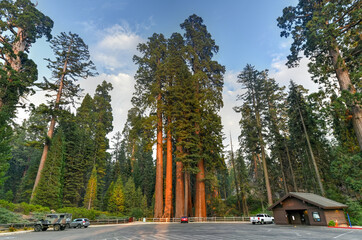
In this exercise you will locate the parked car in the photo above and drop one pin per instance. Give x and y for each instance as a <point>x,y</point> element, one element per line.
<point>262,219</point>
<point>184,219</point>
<point>80,222</point>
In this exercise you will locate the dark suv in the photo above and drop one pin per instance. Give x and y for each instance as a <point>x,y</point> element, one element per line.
<point>80,222</point>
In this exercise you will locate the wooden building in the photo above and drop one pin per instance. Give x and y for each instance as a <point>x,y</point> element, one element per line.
<point>298,208</point>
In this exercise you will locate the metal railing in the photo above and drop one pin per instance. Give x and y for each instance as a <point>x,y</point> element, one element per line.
<point>128,220</point>
<point>198,219</point>
<point>110,221</point>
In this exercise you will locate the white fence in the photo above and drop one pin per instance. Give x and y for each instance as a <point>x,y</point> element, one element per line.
<point>199,219</point>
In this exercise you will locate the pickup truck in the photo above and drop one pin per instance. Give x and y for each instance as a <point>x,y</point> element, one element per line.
<point>262,219</point>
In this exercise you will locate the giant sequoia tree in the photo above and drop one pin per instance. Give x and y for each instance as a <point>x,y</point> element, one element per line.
<point>328,33</point>
<point>71,63</point>
<point>207,76</point>
<point>21,24</point>
<point>149,92</point>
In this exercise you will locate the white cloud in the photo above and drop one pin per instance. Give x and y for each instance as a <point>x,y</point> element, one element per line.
<point>229,118</point>
<point>115,48</point>
<point>282,74</point>
<point>112,53</point>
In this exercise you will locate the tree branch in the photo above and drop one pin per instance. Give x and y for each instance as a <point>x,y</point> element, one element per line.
<point>348,11</point>
<point>349,26</point>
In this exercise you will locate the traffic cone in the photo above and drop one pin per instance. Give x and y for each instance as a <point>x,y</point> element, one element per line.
<point>336,223</point>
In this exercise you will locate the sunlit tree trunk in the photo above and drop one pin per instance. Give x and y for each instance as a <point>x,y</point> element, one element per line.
<point>168,187</point>
<point>346,85</point>
<point>200,201</point>
<point>179,194</point>
<point>51,127</point>
<point>159,164</point>
<point>186,195</point>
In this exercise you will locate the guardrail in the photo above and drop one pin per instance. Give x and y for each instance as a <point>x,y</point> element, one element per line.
<point>16,225</point>
<point>93,222</point>
<point>110,221</point>
<point>128,220</point>
<point>198,219</point>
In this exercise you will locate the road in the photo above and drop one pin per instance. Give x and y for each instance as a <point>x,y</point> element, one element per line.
<point>192,231</point>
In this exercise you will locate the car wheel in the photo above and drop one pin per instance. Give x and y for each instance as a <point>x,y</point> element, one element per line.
<point>85,226</point>
<point>253,223</point>
<point>62,228</point>
<point>56,227</point>
<point>68,225</point>
<point>79,226</point>
<point>37,228</point>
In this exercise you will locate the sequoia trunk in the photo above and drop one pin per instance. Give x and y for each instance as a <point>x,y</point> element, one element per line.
<point>346,85</point>
<point>179,194</point>
<point>168,187</point>
<point>200,201</point>
<point>159,165</point>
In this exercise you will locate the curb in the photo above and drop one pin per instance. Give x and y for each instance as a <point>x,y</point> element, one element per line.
<point>16,232</point>
<point>359,228</point>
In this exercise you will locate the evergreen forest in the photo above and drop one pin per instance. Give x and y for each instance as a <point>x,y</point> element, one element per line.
<point>170,160</point>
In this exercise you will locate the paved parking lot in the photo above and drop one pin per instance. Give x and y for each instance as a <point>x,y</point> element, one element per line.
<point>197,231</point>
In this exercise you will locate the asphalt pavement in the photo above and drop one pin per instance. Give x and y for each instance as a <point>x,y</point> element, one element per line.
<point>193,231</point>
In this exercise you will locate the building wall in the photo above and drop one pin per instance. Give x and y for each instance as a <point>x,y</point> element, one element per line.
<point>336,216</point>
<point>293,210</point>
<point>280,216</point>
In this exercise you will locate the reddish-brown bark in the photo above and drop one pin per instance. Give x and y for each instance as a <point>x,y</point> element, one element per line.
<point>14,62</point>
<point>179,194</point>
<point>159,165</point>
<point>168,185</point>
<point>345,84</point>
<point>200,201</point>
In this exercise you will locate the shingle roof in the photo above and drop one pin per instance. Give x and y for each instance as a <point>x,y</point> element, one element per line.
<point>313,199</point>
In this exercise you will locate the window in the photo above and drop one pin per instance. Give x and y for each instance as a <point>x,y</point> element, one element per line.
<point>316,216</point>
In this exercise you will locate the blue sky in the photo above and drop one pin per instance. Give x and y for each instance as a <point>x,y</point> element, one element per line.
<point>246,32</point>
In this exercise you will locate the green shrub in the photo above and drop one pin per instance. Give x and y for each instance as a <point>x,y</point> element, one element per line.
<point>8,205</point>
<point>81,212</point>
<point>26,208</point>
<point>136,212</point>
<point>331,223</point>
<point>90,214</point>
<point>12,229</point>
<point>6,216</point>
<point>355,212</point>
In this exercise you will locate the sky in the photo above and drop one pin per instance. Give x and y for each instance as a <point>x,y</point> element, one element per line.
<point>246,32</point>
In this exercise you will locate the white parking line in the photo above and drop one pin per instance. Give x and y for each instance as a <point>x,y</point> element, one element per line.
<point>340,235</point>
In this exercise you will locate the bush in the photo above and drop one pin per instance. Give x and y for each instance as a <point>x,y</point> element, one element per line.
<point>8,205</point>
<point>331,223</point>
<point>136,212</point>
<point>24,208</point>
<point>355,212</point>
<point>6,216</point>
